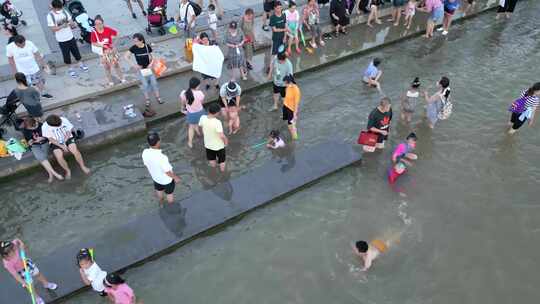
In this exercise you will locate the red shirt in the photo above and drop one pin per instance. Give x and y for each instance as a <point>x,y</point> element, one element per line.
<point>104,37</point>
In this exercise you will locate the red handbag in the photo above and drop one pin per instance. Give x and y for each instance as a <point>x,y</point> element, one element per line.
<point>367,138</point>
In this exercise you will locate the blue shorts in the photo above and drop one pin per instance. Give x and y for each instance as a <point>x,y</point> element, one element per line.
<point>193,118</point>
<point>437,14</point>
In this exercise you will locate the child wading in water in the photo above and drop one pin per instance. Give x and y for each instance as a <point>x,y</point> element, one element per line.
<point>401,158</point>
<point>409,101</point>
<point>118,291</point>
<point>13,263</point>
<point>91,273</point>
<point>293,25</point>
<point>274,140</point>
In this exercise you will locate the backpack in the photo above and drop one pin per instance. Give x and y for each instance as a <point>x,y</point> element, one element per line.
<point>518,106</point>
<point>54,19</point>
<point>196,8</point>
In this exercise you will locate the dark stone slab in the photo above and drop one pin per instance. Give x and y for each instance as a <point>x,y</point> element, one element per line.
<point>151,234</point>
<point>102,123</point>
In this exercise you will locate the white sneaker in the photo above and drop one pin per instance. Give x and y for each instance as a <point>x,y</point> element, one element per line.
<point>445,33</point>
<point>440,29</point>
<point>51,286</point>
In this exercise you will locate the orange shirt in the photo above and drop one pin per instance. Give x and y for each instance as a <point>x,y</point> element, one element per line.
<point>292,98</point>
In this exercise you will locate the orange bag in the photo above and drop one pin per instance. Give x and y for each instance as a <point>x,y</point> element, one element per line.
<point>188,50</point>
<point>159,67</point>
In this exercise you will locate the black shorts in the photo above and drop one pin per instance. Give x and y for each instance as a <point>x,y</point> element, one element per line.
<point>68,142</point>
<point>169,189</point>
<point>268,6</point>
<point>288,115</point>
<point>516,123</point>
<point>219,155</point>
<point>279,90</point>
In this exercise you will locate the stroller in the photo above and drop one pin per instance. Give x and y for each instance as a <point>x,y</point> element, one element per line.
<point>157,16</point>
<point>80,16</point>
<point>10,14</point>
<point>7,111</point>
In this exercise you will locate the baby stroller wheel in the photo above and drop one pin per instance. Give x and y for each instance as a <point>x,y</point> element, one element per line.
<point>162,31</point>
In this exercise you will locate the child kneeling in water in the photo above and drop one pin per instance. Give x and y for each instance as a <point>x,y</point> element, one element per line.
<point>274,140</point>
<point>14,264</point>
<point>91,273</point>
<point>401,158</point>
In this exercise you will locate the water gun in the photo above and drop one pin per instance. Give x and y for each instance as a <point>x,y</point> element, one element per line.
<point>27,276</point>
<point>308,49</point>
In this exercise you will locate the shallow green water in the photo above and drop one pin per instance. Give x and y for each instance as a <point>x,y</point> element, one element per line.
<point>470,222</point>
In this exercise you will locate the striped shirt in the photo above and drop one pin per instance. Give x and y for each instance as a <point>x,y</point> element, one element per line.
<point>532,101</point>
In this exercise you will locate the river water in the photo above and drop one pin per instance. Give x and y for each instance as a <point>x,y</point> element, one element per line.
<point>469,225</point>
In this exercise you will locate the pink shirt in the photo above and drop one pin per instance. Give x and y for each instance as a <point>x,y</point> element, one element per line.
<point>123,294</point>
<point>197,104</point>
<point>15,264</point>
<point>433,4</point>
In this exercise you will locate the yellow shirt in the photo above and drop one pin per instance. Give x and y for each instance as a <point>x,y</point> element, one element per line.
<point>292,98</point>
<point>212,128</point>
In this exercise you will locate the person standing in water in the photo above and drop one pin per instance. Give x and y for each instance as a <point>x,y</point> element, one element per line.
<point>379,123</point>
<point>290,105</point>
<point>409,101</point>
<point>280,67</point>
<point>435,102</point>
<point>160,169</point>
<point>524,108</point>
<point>506,7</point>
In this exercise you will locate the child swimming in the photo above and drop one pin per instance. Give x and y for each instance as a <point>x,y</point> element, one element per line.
<point>274,140</point>
<point>13,263</point>
<point>91,273</point>
<point>369,252</point>
<point>401,158</point>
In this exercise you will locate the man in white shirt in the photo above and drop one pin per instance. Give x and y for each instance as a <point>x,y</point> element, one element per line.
<point>58,131</point>
<point>24,57</point>
<point>187,17</point>
<point>160,169</point>
<point>214,139</point>
<point>59,21</point>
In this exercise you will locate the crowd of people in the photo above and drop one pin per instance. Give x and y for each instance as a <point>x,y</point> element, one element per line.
<point>57,134</point>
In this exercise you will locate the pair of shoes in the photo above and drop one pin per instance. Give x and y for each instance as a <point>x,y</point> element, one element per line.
<point>83,67</point>
<point>46,95</point>
<point>440,29</point>
<point>444,33</point>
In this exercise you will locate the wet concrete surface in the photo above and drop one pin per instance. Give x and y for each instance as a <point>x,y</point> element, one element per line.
<point>148,235</point>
